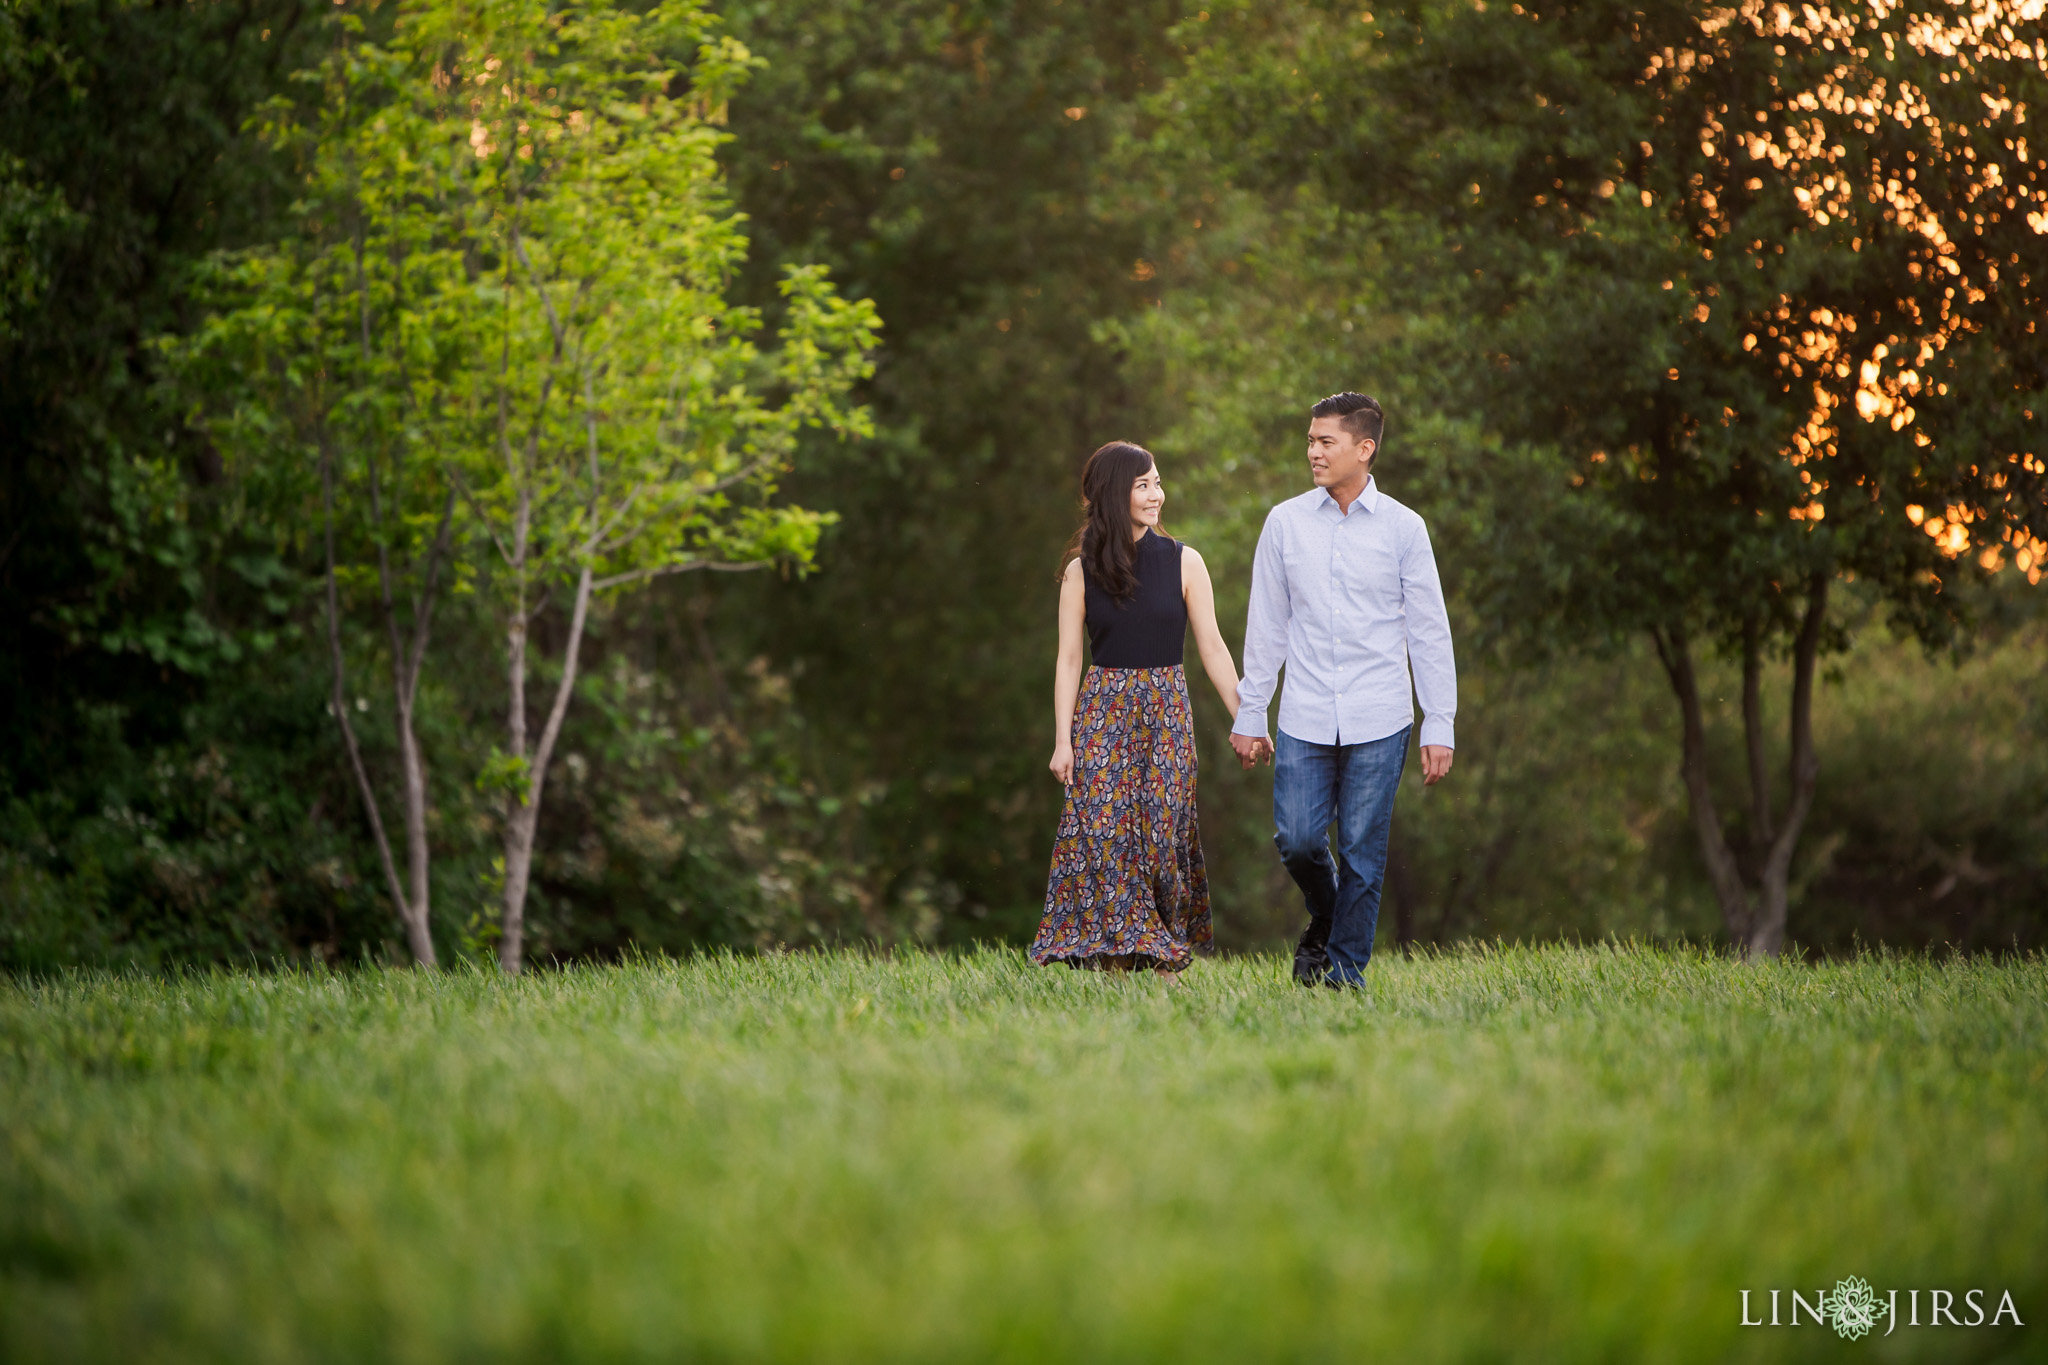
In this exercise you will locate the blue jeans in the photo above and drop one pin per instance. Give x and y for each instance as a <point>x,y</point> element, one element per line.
<point>1352,785</point>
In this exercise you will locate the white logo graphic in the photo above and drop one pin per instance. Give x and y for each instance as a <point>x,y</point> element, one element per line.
<point>1853,1308</point>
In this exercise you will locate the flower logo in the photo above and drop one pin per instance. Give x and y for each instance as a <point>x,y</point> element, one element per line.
<point>1852,1309</point>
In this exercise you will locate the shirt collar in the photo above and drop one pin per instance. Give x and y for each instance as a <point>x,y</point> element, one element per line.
<point>1369,499</point>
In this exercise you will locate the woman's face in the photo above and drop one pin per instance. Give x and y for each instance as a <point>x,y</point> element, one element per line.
<point>1148,495</point>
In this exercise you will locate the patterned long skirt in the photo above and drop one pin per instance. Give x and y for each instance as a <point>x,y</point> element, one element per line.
<point>1127,886</point>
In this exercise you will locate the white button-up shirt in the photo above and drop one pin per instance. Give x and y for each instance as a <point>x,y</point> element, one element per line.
<point>1348,602</point>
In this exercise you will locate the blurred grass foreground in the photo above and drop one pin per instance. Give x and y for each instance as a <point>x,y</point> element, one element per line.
<point>1557,1153</point>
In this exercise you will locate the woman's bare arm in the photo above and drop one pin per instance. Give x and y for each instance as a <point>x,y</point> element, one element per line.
<point>1200,596</point>
<point>1066,678</point>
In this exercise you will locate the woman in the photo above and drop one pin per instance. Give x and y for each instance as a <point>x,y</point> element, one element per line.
<point>1127,889</point>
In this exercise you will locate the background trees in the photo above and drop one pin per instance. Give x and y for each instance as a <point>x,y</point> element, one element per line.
<point>1706,308</point>
<point>163,747</point>
<point>1074,223</point>
<point>953,162</point>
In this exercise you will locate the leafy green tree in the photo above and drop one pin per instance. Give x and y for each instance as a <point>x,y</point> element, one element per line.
<point>507,291</point>
<point>1711,310</point>
<point>327,367</point>
<point>623,425</point>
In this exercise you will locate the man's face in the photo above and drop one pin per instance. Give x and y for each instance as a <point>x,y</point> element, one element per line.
<point>1335,456</point>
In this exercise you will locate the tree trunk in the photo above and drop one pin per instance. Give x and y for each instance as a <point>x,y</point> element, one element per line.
<point>413,778</point>
<point>411,912</point>
<point>520,818</point>
<point>524,820</point>
<point>406,661</point>
<point>1767,933</point>
<point>1753,741</point>
<point>1754,906</point>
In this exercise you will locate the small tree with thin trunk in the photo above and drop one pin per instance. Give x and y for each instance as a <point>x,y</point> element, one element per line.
<point>622,422</point>
<point>322,375</point>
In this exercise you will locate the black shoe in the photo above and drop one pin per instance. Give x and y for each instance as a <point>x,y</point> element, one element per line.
<point>1312,954</point>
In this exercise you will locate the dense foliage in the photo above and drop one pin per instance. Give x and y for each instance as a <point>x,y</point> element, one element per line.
<point>1714,305</point>
<point>1075,223</point>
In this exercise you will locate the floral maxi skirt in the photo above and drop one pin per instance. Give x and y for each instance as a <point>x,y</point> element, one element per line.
<point>1127,884</point>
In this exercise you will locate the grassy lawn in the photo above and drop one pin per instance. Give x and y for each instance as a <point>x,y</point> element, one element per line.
<point>1553,1154</point>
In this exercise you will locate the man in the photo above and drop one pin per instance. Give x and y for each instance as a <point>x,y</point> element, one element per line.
<point>1345,595</point>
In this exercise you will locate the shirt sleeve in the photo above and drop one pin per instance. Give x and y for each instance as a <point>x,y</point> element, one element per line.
<point>1265,632</point>
<point>1429,641</point>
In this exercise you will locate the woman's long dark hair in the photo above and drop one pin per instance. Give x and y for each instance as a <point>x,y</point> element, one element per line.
<point>1103,540</point>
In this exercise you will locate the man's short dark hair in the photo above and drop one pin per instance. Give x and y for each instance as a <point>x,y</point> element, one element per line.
<point>1362,415</point>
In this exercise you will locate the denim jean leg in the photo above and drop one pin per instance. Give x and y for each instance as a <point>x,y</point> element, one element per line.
<point>1304,803</point>
<point>1369,777</point>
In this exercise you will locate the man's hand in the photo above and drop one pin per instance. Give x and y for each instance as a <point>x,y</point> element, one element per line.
<point>1436,763</point>
<point>1251,750</point>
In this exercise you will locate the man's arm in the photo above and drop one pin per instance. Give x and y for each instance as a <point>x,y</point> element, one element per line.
<point>1265,644</point>
<point>1429,655</point>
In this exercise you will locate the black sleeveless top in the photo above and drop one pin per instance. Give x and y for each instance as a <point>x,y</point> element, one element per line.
<point>1147,628</point>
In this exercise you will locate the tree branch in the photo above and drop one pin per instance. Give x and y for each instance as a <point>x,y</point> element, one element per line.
<point>546,301</point>
<point>462,486</point>
<point>1805,763</point>
<point>1753,735</point>
<point>376,490</point>
<point>596,538</point>
<point>348,733</point>
<point>423,605</point>
<point>688,566</point>
<point>738,476</point>
<point>579,614</point>
<point>590,440</point>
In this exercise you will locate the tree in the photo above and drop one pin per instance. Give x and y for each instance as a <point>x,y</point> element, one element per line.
<point>623,425</point>
<point>327,364</point>
<point>1736,306</point>
<point>507,293</point>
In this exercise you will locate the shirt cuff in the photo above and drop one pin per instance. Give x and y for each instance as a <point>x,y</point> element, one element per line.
<point>1250,721</point>
<point>1439,730</point>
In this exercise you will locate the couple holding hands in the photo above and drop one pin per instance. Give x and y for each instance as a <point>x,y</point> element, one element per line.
<point>1345,596</point>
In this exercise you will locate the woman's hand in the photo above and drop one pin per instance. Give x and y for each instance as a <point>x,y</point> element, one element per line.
<point>1062,764</point>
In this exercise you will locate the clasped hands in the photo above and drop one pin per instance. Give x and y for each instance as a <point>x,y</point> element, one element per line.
<point>1252,750</point>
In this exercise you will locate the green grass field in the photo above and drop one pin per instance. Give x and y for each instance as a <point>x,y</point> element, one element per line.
<point>1556,1154</point>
